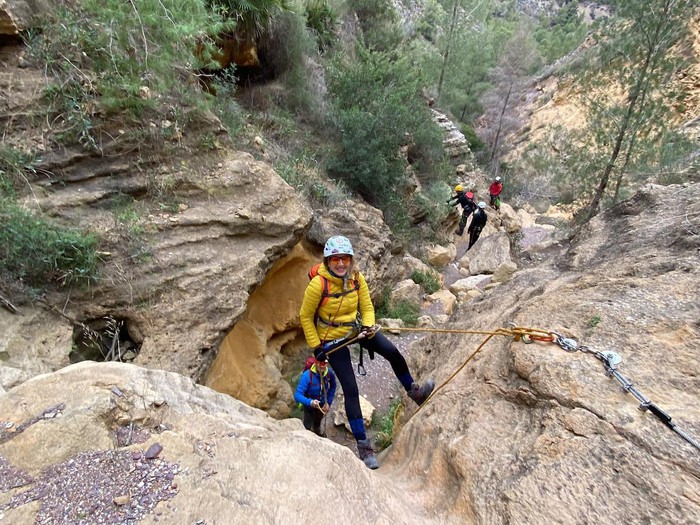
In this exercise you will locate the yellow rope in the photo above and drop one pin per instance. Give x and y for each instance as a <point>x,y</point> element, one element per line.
<point>516,332</point>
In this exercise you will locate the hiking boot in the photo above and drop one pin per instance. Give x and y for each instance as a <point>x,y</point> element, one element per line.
<point>420,393</point>
<point>364,449</point>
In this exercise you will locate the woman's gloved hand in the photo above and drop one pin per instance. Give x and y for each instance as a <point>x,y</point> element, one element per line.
<point>321,351</point>
<point>368,332</point>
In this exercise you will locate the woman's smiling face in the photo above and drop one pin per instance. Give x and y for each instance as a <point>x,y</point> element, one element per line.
<point>340,264</point>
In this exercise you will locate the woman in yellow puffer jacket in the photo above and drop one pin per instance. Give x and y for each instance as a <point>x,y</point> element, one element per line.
<point>337,307</point>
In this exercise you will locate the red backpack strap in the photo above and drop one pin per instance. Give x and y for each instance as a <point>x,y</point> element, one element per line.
<point>325,285</point>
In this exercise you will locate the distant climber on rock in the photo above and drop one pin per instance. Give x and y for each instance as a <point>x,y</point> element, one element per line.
<point>337,308</point>
<point>477,224</point>
<point>315,392</point>
<point>466,200</point>
<point>495,193</point>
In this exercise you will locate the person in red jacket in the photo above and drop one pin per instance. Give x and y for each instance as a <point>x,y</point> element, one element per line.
<point>495,191</point>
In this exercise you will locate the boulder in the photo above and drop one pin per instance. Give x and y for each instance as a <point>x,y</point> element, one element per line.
<point>19,15</point>
<point>445,299</point>
<point>124,440</point>
<point>504,272</point>
<point>340,417</point>
<point>509,219</point>
<point>410,264</point>
<point>441,256</point>
<point>406,290</point>
<point>426,321</point>
<point>391,325</point>
<point>526,218</point>
<point>470,283</point>
<point>489,253</point>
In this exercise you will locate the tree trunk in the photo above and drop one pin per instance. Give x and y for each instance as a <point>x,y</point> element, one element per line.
<point>446,55</point>
<point>631,106</point>
<point>500,124</point>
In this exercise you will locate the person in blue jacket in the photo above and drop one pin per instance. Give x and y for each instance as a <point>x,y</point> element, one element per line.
<point>316,395</point>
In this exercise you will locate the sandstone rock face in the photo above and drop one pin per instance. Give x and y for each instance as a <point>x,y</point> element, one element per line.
<point>249,364</point>
<point>534,434</point>
<point>28,343</point>
<point>205,259</point>
<point>234,464</point>
<point>454,141</point>
<point>18,15</point>
<point>266,347</point>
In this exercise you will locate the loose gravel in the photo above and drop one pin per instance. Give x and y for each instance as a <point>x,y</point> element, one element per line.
<point>95,488</point>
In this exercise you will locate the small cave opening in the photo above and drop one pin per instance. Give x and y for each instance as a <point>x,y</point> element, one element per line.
<point>104,339</point>
<point>294,352</point>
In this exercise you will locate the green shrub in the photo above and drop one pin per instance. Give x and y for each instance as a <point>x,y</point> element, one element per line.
<point>224,104</point>
<point>37,252</point>
<point>430,21</point>
<point>428,280</point>
<point>289,43</point>
<point>404,310</point>
<point>127,215</point>
<point>379,21</point>
<point>15,165</point>
<point>322,20</point>
<point>377,109</point>
<point>103,57</point>
<point>300,172</point>
<point>384,428</point>
<point>475,143</point>
<point>561,33</point>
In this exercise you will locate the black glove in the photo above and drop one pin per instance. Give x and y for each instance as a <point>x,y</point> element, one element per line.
<point>320,353</point>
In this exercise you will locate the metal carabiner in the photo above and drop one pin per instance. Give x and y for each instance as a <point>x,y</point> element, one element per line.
<point>569,345</point>
<point>610,359</point>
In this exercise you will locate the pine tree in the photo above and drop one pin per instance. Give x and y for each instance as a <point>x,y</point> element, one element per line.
<point>637,49</point>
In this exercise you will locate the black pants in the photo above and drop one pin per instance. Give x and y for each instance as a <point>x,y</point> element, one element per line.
<point>312,420</point>
<point>463,220</point>
<point>342,366</point>
<point>474,236</point>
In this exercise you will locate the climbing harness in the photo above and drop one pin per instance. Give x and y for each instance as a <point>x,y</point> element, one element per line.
<point>609,359</point>
<point>342,343</point>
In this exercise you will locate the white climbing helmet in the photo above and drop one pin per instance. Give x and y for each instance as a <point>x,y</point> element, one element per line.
<point>337,245</point>
<point>498,179</point>
<point>482,205</point>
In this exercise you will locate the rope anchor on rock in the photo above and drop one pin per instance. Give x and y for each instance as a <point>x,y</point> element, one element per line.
<point>610,361</point>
